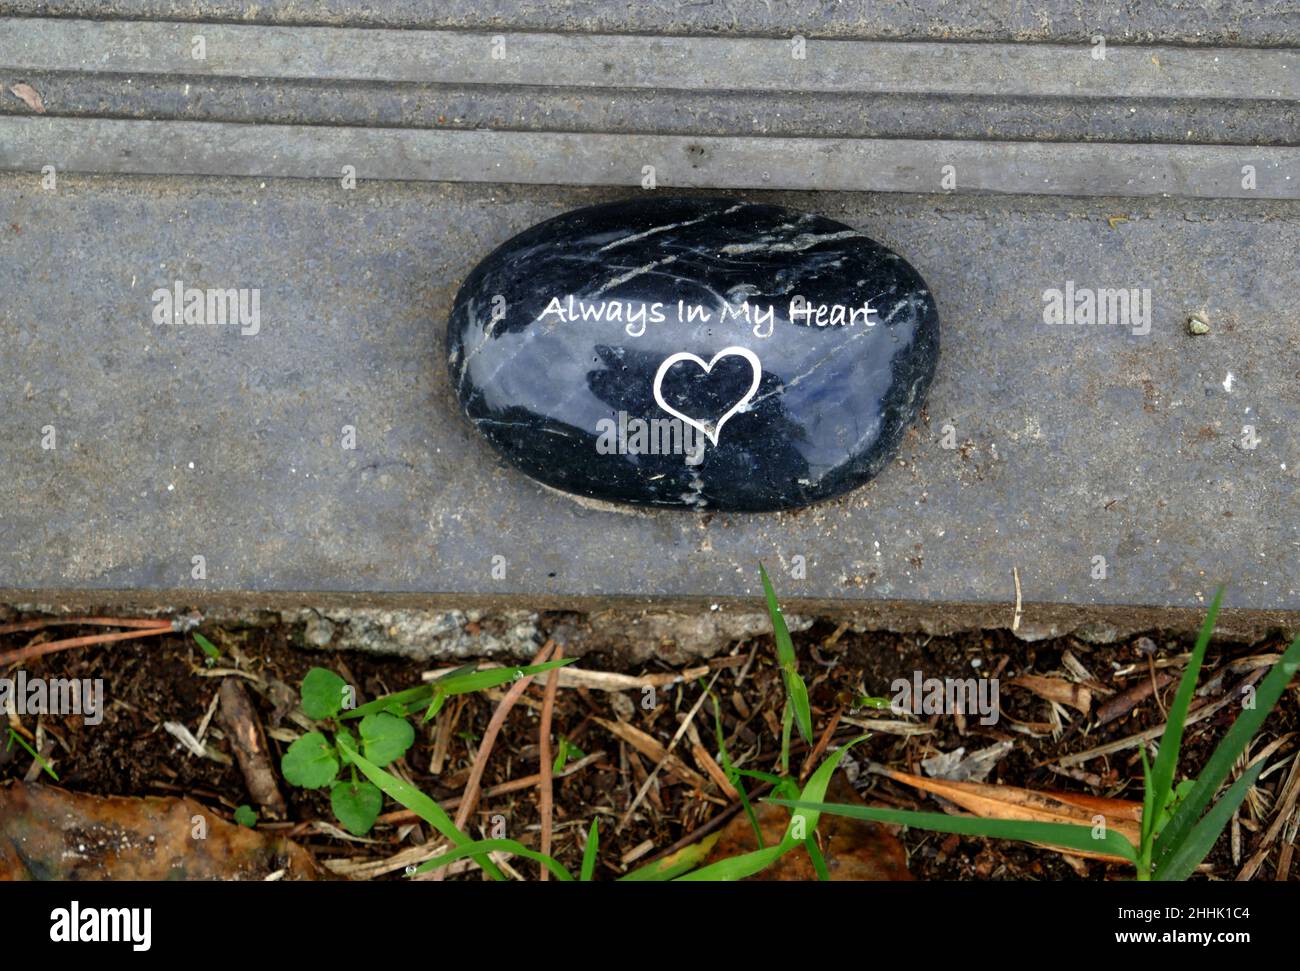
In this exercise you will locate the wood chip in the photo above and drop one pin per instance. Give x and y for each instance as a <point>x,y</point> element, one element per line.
<point>1056,689</point>
<point>705,761</point>
<point>185,737</point>
<point>1126,701</point>
<point>638,851</point>
<point>244,729</point>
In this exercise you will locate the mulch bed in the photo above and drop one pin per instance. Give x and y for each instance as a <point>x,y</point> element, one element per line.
<point>161,679</point>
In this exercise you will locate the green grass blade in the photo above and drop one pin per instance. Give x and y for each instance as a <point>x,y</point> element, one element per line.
<point>15,737</point>
<point>818,861</point>
<point>752,816</point>
<point>463,680</point>
<point>208,647</point>
<point>414,800</point>
<point>797,692</point>
<point>589,852</point>
<point>815,790</point>
<point>1189,853</point>
<point>468,668</point>
<point>1225,755</point>
<point>742,866</point>
<point>1148,798</point>
<point>479,847</point>
<point>435,705</point>
<point>780,632</point>
<point>675,864</point>
<point>787,719</point>
<point>1054,834</point>
<point>461,684</point>
<point>399,701</point>
<point>733,776</point>
<point>795,689</point>
<point>761,776</point>
<point>1162,773</point>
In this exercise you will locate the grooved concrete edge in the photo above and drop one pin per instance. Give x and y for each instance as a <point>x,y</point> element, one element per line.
<point>563,158</point>
<point>645,61</point>
<point>1095,622</point>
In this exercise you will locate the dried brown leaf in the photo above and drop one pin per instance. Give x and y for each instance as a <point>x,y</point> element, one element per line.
<point>854,849</point>
<point>47,833</point>
<point>1009,802</point>
<point>1056,689</point>
<point>28,95</point>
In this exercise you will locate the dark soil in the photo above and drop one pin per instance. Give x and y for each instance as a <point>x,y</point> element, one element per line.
<point>152,681</point>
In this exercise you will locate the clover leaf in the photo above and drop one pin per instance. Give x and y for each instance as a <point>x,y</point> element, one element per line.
<point>357,805</point>
<point>385,737</point>
<point>322,694</point>
<point>310,762</point>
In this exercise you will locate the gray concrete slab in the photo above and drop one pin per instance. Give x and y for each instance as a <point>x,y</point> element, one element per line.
<point>1070,442</point>
<point>1118,475</point>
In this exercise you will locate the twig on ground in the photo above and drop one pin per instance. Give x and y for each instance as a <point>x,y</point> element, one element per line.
<point>412,856</point>
<point>1284,859</point>
<point>544,758</point>
<point>822,742</point>
<point>710,766</point>
<point>638,851</point>
<point>1155,688</point>
<point>41,753</point>
<point>43,622</point>
<point>50,647</point>
<point>514,785</point>
<point>677,737</point>
<point>1015,618</point>
<point>1133,741</point>
<point>571,677</point>
<point>206,720</point>
<point>229,673</point>
<point>1238,666</point>
<point>471,796</point>
<point>1286,804</point>
<point>185,737</point>
<point>889,726</point>
<point>651,748</point>
<point>442,736</point>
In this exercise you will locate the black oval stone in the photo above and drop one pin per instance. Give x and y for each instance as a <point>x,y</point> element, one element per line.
<point>701,353</point>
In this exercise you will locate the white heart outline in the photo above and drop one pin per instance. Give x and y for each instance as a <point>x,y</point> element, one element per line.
<point>734,350</point>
